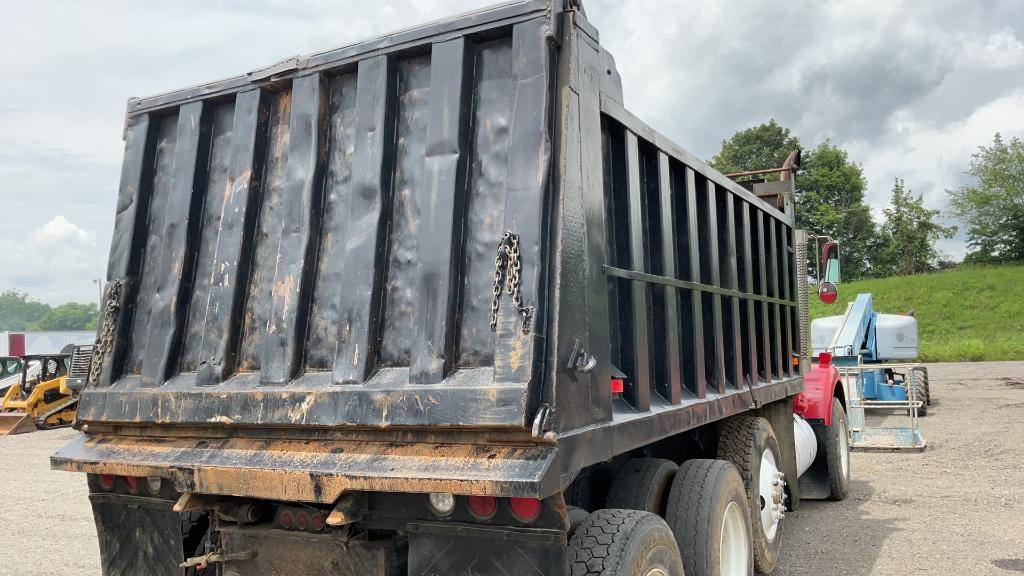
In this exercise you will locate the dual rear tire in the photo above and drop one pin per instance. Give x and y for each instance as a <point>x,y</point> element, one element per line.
<point>709,514</point>
<point>724,516</point>
<point>706,526</point>
<point>749,443</point>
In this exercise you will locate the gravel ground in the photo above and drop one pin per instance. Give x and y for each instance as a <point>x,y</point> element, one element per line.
<point>957,508</point>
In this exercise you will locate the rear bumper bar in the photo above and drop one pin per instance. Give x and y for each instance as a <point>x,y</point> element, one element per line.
<point>314,471</point>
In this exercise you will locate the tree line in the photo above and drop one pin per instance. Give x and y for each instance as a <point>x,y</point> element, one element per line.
<point>830,200</point>
<point>20,312</point>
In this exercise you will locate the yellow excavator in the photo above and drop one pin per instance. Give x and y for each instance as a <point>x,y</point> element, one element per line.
<point>41,399</point>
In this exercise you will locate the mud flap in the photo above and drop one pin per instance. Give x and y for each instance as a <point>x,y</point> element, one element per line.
<point>269,552</point>
<point>16,423</point>
<point>464,550</point>
<point>137,535</point>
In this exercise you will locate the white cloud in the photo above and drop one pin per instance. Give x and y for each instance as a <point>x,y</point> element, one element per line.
<point>999,51</point>
<point>55,263</point>
<point>910,88</point>
<point>935,157</point>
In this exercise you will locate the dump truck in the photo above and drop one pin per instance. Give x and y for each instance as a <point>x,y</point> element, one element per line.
<point>437,303</point>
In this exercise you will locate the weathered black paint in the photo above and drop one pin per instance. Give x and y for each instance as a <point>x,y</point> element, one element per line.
<point>442,214</point>
<point>315,245</point>
<point>236,214</point>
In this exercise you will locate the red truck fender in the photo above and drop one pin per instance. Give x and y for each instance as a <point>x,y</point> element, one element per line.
<point>821,385</point>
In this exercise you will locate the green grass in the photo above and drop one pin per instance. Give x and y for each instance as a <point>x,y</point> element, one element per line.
<point>964,315</point>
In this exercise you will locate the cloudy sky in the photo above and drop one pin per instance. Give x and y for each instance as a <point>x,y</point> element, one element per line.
<point>910,88</point>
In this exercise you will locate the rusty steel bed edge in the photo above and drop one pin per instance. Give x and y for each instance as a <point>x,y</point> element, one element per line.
<point>319,471</point>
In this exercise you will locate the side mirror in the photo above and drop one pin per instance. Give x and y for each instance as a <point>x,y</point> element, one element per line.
<point>827,292</point>
<point>830,264</point>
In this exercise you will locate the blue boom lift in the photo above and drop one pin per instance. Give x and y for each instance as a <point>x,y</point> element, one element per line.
<point>863,336</point>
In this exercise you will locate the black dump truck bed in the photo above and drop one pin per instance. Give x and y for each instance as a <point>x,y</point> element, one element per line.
<point>301,285</point>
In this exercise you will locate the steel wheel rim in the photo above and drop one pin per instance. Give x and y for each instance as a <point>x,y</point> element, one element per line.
<point>766,491</point>
<point>844,449</point>
<point>734,547</point>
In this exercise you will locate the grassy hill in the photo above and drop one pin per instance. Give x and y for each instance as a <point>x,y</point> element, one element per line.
<point>966,314</point>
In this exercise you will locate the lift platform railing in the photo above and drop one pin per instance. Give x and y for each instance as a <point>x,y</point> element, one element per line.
<point>867,437</point>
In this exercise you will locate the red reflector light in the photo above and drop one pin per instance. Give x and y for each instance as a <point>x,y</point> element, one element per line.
<point>618,385</point>
<point>824,358</point>
<point>525,509</point>
<point>483,507</point>
<point>132,483</point>
<point>286,519</point>
<point>316,523</point>
<point>302,520</point>
<point>107,481</point>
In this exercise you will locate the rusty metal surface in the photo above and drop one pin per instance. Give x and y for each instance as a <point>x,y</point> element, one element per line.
<point>317,472</point>
<point>16,423</point>
<point>323,281</point>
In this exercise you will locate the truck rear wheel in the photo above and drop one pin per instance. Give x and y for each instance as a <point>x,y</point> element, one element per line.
<point>624,543</point>
<point>837,452</point>
<point>710,517</point>
<point>642,484</point>
<point>750,445</point>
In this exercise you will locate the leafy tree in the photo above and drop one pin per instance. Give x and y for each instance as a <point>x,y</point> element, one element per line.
<point>830,188</point>
<point>19,312</point>
<point>907,240</point>
<point>830,201</point>
<point>71,316</point>
<point>764,146</point>
<point>993,207</point>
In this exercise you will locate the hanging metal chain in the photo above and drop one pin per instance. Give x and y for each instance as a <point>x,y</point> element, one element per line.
<point>105,339</point>
<point>507,267</point>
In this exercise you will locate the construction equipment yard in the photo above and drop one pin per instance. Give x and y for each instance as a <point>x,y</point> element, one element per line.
<point>956,508</point>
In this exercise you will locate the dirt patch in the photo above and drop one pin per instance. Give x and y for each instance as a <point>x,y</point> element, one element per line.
<point>955,509</point>
<point>1010,564</point>
<point>1013,383</point>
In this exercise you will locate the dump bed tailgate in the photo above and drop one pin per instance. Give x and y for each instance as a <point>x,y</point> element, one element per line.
<point>314,244</point>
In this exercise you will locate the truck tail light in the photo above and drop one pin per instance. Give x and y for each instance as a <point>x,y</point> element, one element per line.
<point>317,523</point>
<point>524,509</point>
<point>482,507</point>
<point>154,484</point>
<point>107,481</point>
<point>441,503</point>
<point>131,483</point>
<point>286,519</point>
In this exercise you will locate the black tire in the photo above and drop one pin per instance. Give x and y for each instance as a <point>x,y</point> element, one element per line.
<point>920,392</point>
<point>835,444</point>
<point>623,543</point>
<point>702,493</point>
<point>742,441</point>
<point>642,484</point>
<point>923,375</point>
